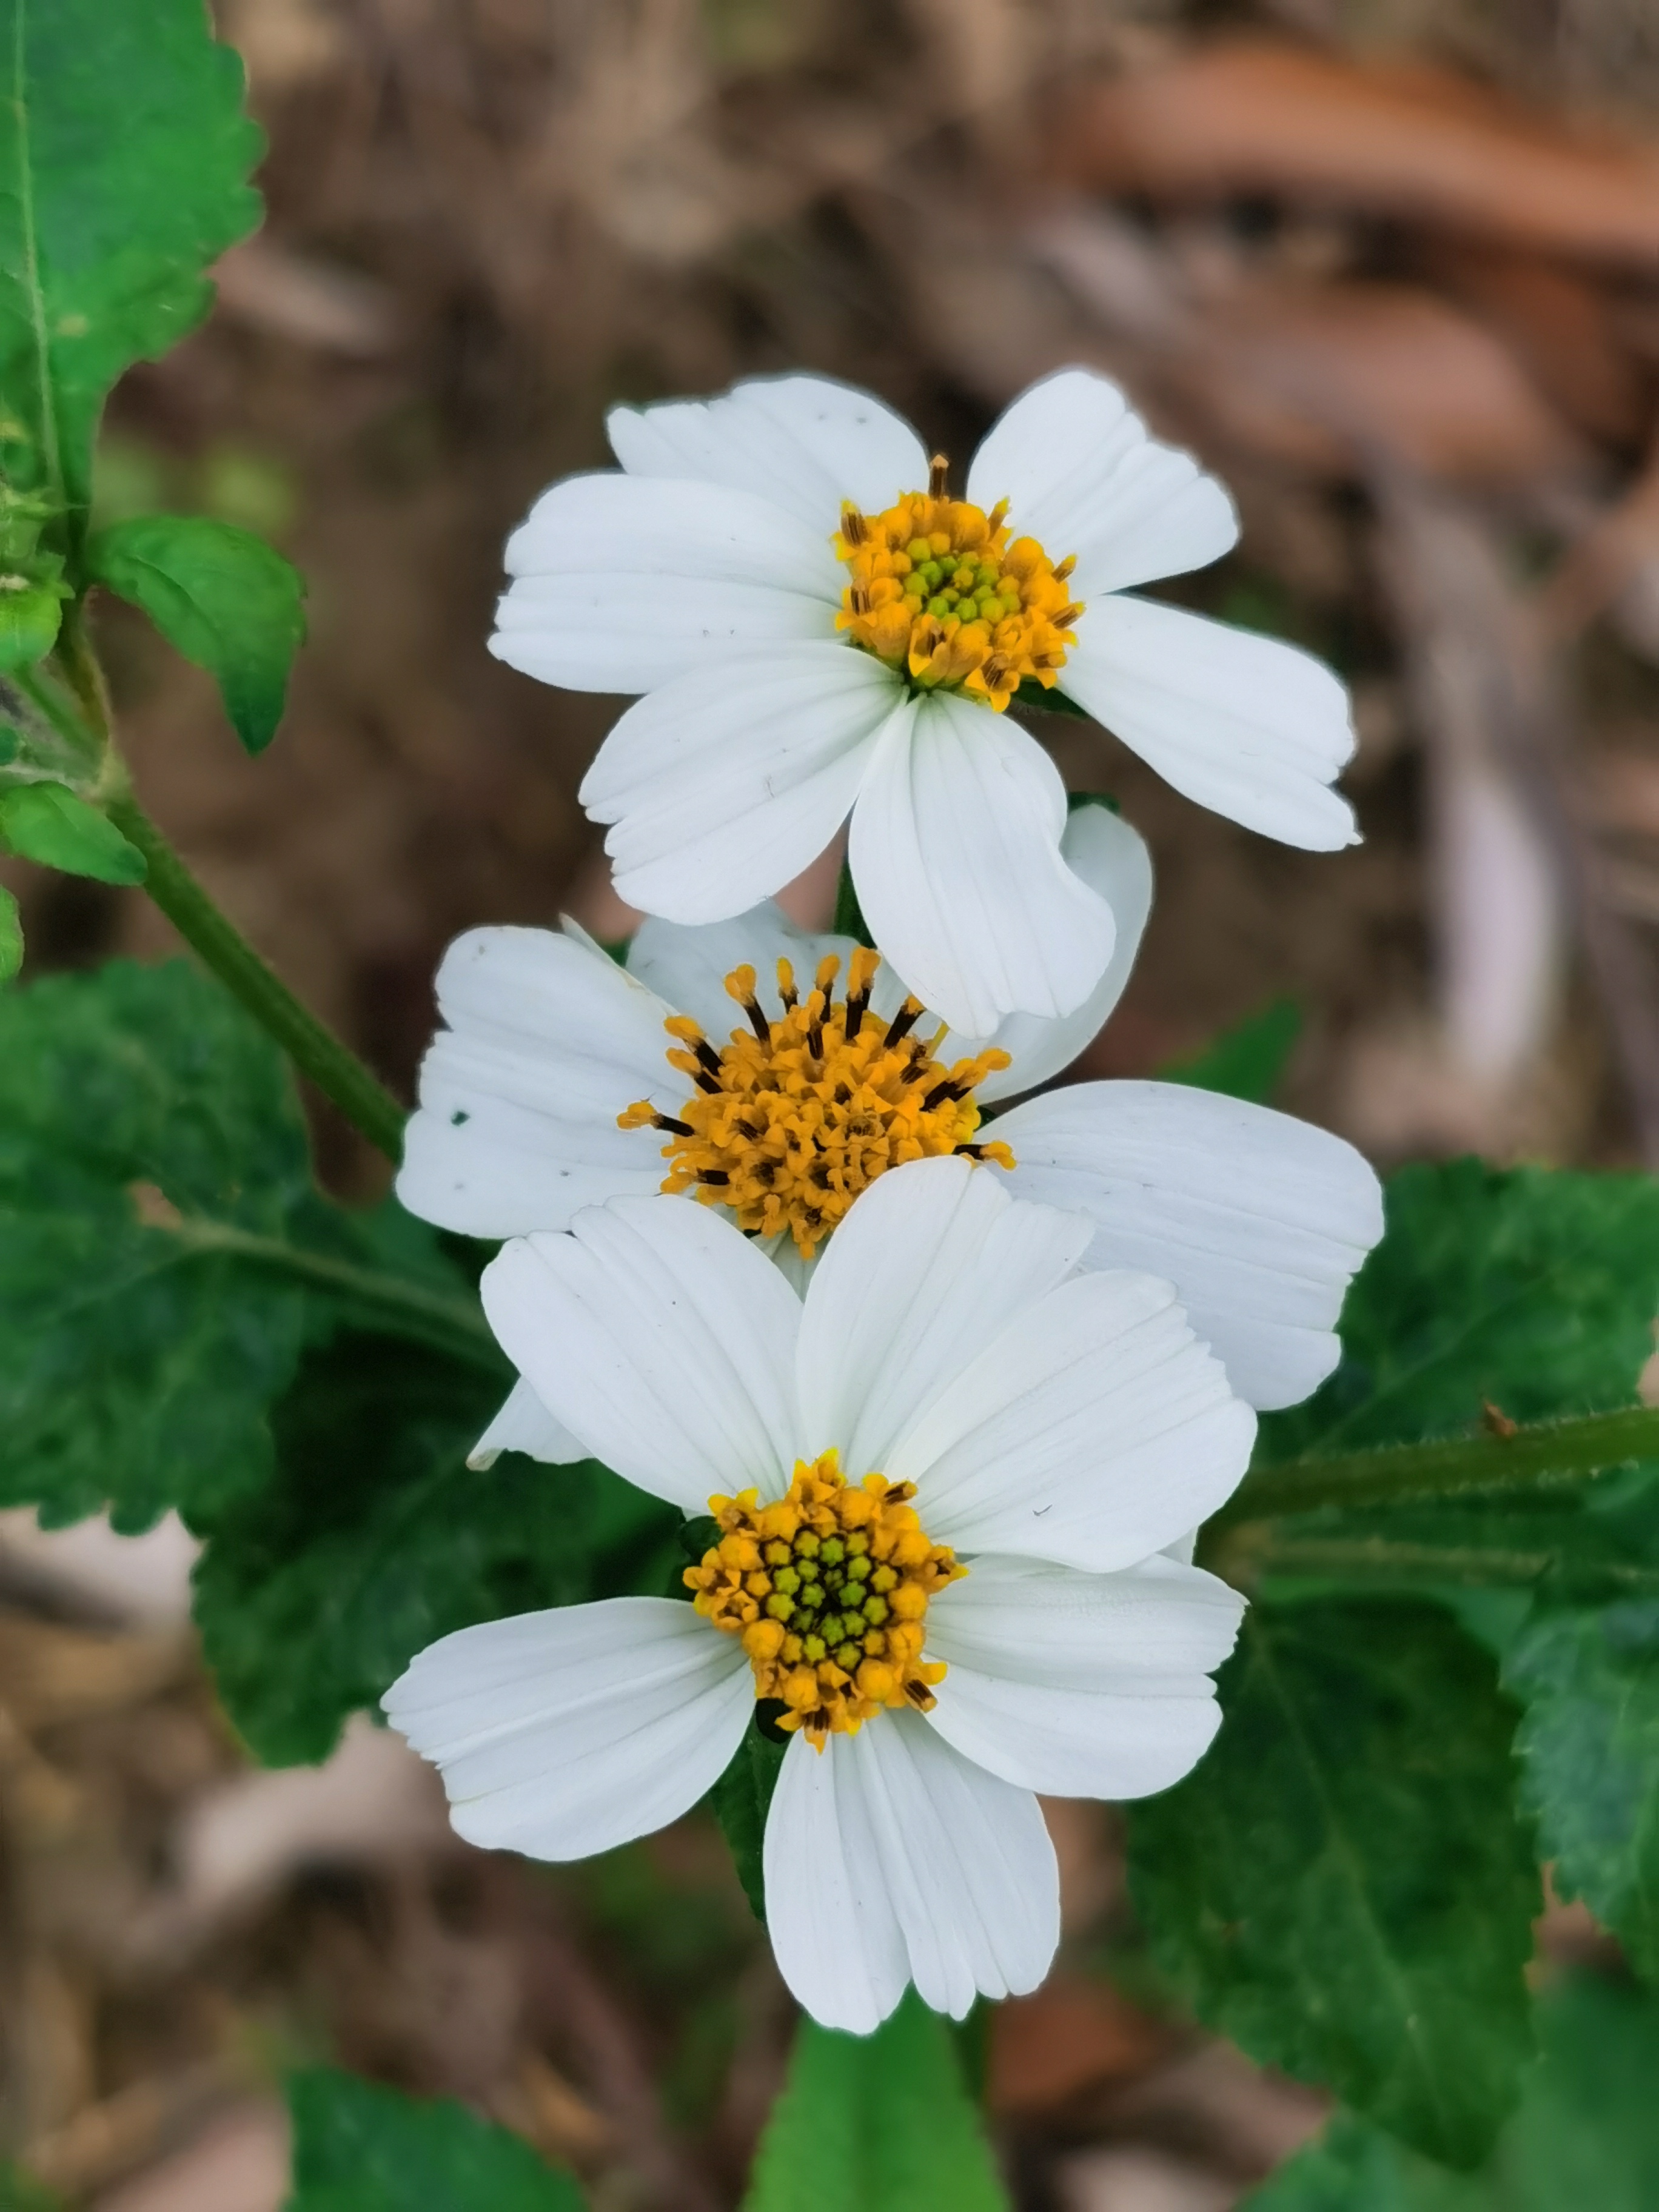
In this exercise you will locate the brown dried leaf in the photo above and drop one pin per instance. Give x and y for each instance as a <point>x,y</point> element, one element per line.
<point>1401,139</point>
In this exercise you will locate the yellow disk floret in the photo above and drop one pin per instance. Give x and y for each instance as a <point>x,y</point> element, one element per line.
<point>937,590</point>
<point>793,1118</point>
<point>828,1589</point>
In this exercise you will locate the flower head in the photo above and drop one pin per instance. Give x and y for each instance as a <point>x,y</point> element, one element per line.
<point>820,627</point>
<point>777,1115</point>
<point>943,1484</point>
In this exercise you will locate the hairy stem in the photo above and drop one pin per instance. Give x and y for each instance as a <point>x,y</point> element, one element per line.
<point>1396,1474</point>
<point>458,1324</point>
<point>315,1050</point>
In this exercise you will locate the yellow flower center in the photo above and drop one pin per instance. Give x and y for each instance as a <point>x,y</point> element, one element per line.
<point>793,1119</point>
<point>937,591</point>
<point>828,1589</point>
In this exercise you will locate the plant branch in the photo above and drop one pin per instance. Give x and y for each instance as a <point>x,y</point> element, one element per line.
<point>1394,1475</point>
<point>457,1324</point>
<point>315,1050</point>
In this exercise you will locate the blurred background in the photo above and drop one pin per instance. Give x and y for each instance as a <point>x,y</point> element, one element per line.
<point>1392,268</point>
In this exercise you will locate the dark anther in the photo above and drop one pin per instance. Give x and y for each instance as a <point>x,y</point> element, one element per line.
<point>971,1151</point>
<point>854,527</point>
<point>667,1121</point>
<point>938,477</point>
<point>710,1084</point>
<point>713,1174</point>
<point>790,996</point>
<point>708,1058</point>
<point>843,1095</point>
<point>855,1012</point>
<point>903,1022</point>
<point>939,1093</point>
<point>757,1020</point>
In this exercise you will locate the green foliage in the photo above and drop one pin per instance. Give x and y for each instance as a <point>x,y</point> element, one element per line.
<point>46,822</point>
<point>1588,1677</point>
<point>1341,1885</point>
<point>850,919</point>
<point>878,2123</point>
<point>1586,2133</point>
<point>1248,1061</point>
<point>1533,1290</point>
<point>145,1126</point>
<point>375,1539</point>
<point>742,1799</point>
<point>359,2148</point>
<point>1031,694</point>
<point>29,620</point>
<point>123,156</point>
<point>225,599</point>
<point>11,936</point>
<point>163,1257</point>
<point>21,2192</point>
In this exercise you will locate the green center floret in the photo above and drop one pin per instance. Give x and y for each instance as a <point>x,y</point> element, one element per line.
<point>829,1592</point>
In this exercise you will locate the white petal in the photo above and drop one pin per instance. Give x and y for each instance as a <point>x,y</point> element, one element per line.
<point>724,785</point>
<point>524,1424</point>
<point>620,583</point>
<point>803,442</point>
<point>549,1040</point>
<point>1095,1430</point>
<point>1081,1686</point>
<point>1112,858</point>
<point>889,1859</point>
<point>659,1336</point>
<point>689,967</point>
<point>1258,1219</point>
<point>565,1733</point>
<point>955,849</point>
<point>1251,727</point>
<point>1081,476</point>
<point>931,1263</point>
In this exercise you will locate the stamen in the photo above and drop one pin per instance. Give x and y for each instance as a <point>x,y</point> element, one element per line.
<point>828,1589</point>
<point>937,591</point>
<point>905,1020</point>
<point>795,1117</point>
<point>740,985</point>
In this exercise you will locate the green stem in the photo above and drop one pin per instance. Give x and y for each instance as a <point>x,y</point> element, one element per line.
<point>315,1051</point>
<point>1395,1474</point>
<point>457,1324</point>
<point>1261,1550</point>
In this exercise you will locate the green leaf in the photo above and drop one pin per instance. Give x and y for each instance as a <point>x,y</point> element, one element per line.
<point>875,2124</point>
<point>1586,2134</point>
<point>123,156</point>
<point>850,919</point>
<point>11,936</point>
<point>29,621</point>
<point>1533,1290</point>
<point>741,1800</point>
<point>1031,694</point>
<point>1245,1062</point>
<point>135,1361</point>
<point>375,1539</point>
<point>1589,1679</point>
<point>360,2148</point>
<point>46,822</point>
<point>22,2193</point>
<point>163,1254</point>
<point>225,599</point>
<point>1341,1885</point>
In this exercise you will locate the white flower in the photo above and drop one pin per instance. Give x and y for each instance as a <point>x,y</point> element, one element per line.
<point>991,1410</point>
<point>1258,1219</point>
<point>756,570</point>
